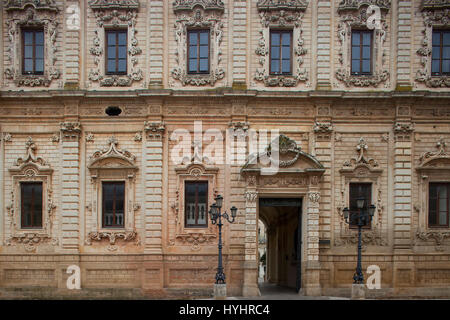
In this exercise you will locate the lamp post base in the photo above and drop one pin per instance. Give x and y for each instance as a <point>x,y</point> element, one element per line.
<point>220,291</point>
<point>358,291</point>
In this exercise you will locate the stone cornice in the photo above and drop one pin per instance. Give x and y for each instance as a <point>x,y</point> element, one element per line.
<point>435,4</point>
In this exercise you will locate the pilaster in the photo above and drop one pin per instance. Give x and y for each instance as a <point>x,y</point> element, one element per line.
<point>404,19</point>
<point>156,40</point>
<point>239,43</point>
<point>72,44</point>
<point>324,24</point>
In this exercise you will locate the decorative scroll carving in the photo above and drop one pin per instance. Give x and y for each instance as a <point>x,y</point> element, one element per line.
<point>441,153</point>
<point>437,236</point>
<point>361,159</point>
<point>112,236</point>
<point>112,14</point>
<point>199,18</point>
<point>323,130</point>
<point>36,169</point>
<point>435,4</point>
<point>189,5</point>
<point>251,196</point>
<point>353,14</point>
<point>281,14</point>
<point>111,152</point>
<point>195,239</point>
<point>25,14</point>
<point>368,237</point>
<point>437,17</point>
<point>314,196</point>
<point>154,130</point>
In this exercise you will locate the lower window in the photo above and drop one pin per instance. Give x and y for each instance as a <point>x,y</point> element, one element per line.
<point>196,203</point>
<point>438,204</point>
<point>31,204</point>
<point>360,191</point>
<point>113,194</point>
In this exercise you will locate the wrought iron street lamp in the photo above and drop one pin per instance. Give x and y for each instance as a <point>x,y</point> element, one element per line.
<point>361,217</point>
<point>216,218</point>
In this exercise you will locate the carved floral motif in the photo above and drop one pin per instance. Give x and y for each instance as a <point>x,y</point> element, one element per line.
<point>437,236</point>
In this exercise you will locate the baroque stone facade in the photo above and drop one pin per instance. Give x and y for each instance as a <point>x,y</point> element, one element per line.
<point>76,126</point>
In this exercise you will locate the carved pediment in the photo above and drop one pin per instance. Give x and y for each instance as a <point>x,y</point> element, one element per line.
<point>36,4</point>
<point>439,159</point>
<point>189,5</point>
<point>270,5</point>
<point>357,4</point>
<point>31,161</point>
<point>114,4</point>
<point>111,157</point>
<point>361,165</point>
<point>435,4</point>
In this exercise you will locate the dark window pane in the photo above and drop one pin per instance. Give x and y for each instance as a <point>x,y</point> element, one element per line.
<point>31,205</point>
<point>275,52</point>
<point>203,65</point>
<point>39,52</point>
<point>436,38</point>
<point>446,66</point>
<point>113,204</point>
<point>192,52</point>
<point>111,38</point>
<point>122,66</point>
<point>204,38</point>
<point>111,52</point>
<point>446,53</point>
<point>193,38</point>
<point>366,53</point>
<point>275,66</point>
<point>28,67</point>
<point>435,66</point>
<point>367,38</point>
<point>111,66</point>
<point>356,38</point>
<point>28,37</point>
<point>436,53</point>
<point>204,52</point>
<point>356,51</point>
<point>122,39</point>
<point>366,66</point>
<point>122,52</point>
<point>446,39</point>
<point>39,38</point>
<point>196,203</point>
<point>28,52</point>
<point>193,65</point>
<point>275,38</point>
<point>286,66</point>
<point>286,39</point>
<point>39,67</point>
<point>286,52</point>
<point>355,66</point>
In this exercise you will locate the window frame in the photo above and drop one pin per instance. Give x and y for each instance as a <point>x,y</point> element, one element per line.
<point>441,46</point>
<point>34,31</point>
<point>22,209</point>
<point>281,73</point>
<point>117,32</point>
<point>198,32</point>
<point>361,46</point>
<point>196,224</point>
<point>369,202</point>
<point>103,217</point>
<point>434,226</point>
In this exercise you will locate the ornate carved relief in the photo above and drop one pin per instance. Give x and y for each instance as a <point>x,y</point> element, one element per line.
<point>25,14</point>
<point>198,14</point>
<point>435,15</point>
<point>323,130</point>
<point>361,159</point>
<point>26,169</point>
<point>403,130</point>
<point>115,14</point>
<point>437,236</point>
<point>428,159</point>
<point>112,164</point>
<point>154,130</point>
<point>275,14</point>
<point>70,130</point>
<point>353,14</point>
<point>368,237</point>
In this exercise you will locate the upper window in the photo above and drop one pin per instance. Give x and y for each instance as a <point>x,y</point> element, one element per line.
<point>31,204</point>
<point>113,204</point>
<point>360,191</point>
<point>438,205</point>
<point>196,203</point>
<point>116,52</point>
<point>361,52</point>
<point>440,62</point>
<point>280,52</point>
<point>33,51</point>
<point>198,51</point>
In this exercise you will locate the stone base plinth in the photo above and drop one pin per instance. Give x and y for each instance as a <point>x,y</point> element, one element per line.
<point>358,291</point>
<point>220,291</point>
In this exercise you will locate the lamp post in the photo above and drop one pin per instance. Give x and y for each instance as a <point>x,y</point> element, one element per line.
<point>361,217</point>
<point>216,218</point>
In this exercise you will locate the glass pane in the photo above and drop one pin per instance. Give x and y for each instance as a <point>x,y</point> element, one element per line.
<point>204,52</point>
<point>39,65</point>
<point>432,205</point>
<point>122,52</point>
<point>446,53</point>
<point>39,38</point>
<point>193,65</point>
<point>286,66</point>
<point>203,65</point>
<point>436,38</point>
<point>442,192</point>
<point>446,39</point>
<point>355,66</point>
<point>356,51</point>
<point>275,38</point>
<point>435,66</point>
<point>286,39</point>
<point>275,52</point>
<point>433,191</point>
<point>366,52</point>
<point>40,52</point>
<point>122,66</point>
<point>286,52</point>
<point>192,52</point>
<point>111,52</point>
<point>122,39</point>
<point>28,65</point>
<point>192,38</point>
<point>111,67</point>
<point>366,66</point>
<point>443,218</point>
<point>28,37</point>
<point>37,200</point>
<point>111,38</point>
<point>442,204</point>
<point>204,38</point>
<point>446,66</point>
<point>275,66</point>
<point>367,38</point>
<point>436,53</point>
<point>28,52</point>
<point>356,38</point>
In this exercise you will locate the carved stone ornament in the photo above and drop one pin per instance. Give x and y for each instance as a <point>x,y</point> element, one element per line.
<point>435,16</point>
<point>437,236</point>
<point>154,130</point>
<point>31,14</point>
<point>353,14</point>
<point>114,13</point>
<point>403,130</point>
<point>30,168</point>
<point>361,159</point>
<point>189,5</point>
<point>112,164</point>
<point>435,4</point>
<point>200,17</point>
<point>323,127</point>
<point>195,239</point>
<point>435,158</point>
<point>368,237</point>
<point>285,14</point>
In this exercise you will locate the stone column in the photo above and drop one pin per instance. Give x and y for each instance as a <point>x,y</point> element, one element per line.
<point>153,155</point>
<point>403,11</point>
<point>250,288</point>
<point>70,185</point>
<point>72,44</point>
<point>156,40</point>
<point>324,22</point>
<point>239,43</point>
